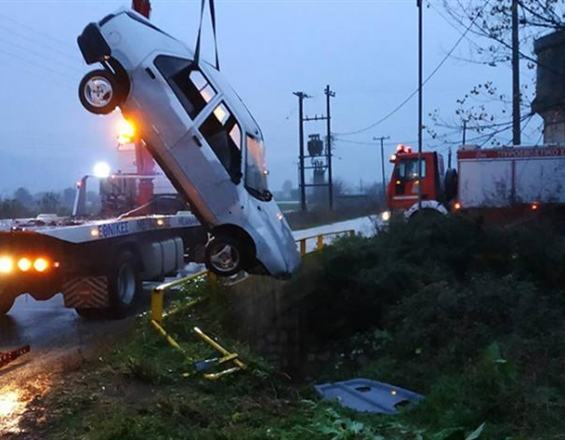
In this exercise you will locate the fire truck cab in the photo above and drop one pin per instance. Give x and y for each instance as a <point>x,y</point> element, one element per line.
<point>402,191</point>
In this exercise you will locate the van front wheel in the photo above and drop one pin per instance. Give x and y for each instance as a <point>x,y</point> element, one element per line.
<point>225,256</point>
<point>99,92</point>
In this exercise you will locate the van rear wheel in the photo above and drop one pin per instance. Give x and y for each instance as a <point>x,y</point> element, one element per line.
<point>226,256</point>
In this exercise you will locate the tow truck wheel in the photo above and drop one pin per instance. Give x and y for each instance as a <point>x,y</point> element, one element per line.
<point>225,256</point>
<point>99,92</point>
<point>124,283</point>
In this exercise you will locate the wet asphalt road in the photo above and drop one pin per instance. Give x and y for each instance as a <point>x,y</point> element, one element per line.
<point>41,323</point>
<point>53,333</point>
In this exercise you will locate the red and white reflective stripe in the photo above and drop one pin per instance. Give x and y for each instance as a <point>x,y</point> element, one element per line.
<point>86,292</point>
<point>512,153</point>
<point>7,357</point>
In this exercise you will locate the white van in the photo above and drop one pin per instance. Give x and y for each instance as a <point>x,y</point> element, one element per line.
<point>201,134</point>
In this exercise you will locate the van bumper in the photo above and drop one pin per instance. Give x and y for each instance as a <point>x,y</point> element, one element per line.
<point>92,45</point>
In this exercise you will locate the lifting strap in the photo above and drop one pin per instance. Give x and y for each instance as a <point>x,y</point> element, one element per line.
<point>198,38</point>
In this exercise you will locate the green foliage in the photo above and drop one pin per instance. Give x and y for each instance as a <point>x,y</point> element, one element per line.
<point>471,317</point>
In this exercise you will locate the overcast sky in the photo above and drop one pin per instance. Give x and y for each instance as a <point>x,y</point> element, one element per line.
<point>366,51</point>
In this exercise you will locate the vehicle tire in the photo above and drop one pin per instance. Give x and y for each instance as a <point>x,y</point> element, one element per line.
<point>99,92</point>
<point>226,256</point>
<point>124,285</point>
<point>6,301</point>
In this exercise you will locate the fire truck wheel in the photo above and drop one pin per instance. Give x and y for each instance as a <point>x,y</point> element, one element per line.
<point>6,302</point>
<point>99,92</point>
<point>226,256</point>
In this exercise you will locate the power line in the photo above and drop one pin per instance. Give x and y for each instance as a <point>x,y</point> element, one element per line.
<point>36,65</point>
<point>39,40</point>
<point>415,92</point>
<point>60,43</point>
<point>29,51</point>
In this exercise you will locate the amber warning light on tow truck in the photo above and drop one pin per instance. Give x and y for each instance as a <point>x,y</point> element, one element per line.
<point>9,264</point>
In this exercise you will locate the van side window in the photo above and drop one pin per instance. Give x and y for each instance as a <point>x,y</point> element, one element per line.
<point>222,133</point>
<point>189,84</point>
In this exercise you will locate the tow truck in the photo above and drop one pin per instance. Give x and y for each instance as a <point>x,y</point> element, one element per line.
<point>497,184</point>
<point>97,263</point>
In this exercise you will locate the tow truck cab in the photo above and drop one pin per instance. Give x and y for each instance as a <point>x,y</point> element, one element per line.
<point>402,190</point>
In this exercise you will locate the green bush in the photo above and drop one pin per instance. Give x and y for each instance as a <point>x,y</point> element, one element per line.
<point>422,304</point>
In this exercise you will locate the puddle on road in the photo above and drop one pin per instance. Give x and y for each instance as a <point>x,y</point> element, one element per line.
<point>14,402</point>
<point>12,407</point>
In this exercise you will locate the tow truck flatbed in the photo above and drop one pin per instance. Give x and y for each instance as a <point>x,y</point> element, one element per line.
<point>98,265</point>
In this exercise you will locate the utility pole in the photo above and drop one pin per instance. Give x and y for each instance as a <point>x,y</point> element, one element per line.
<point>329,94</point>
<point>382,139</point>
<point>420,96</point>
<point>464,132</point>
<point>516,135</point>
<point>302,184</point>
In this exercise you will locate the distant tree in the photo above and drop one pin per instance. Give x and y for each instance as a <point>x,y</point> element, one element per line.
<point>340,187</point>
<point>24,197</point>
<point>492,21</point>
<point>68,198</point>
<point>485,110</point>
<point>12,208</point>
<point>287,186</point>
<point>49,203</point>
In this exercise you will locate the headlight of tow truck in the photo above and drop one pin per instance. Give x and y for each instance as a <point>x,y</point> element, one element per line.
<point>385,216</point>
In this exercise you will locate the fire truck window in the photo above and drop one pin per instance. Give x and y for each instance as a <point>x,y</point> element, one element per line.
<point>223,135</point>
<point>408,169</point>
<point>189,84</point>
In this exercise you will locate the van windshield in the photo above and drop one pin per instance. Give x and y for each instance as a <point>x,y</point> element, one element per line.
<point>256,169</point>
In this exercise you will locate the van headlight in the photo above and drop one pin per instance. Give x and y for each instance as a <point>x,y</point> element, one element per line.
<point>385,216</point>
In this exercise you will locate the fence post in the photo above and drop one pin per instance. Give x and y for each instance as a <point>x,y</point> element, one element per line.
<point>157,305</point>
<point>212,278</point>
<point>303,247</point>
<point>319,242</point>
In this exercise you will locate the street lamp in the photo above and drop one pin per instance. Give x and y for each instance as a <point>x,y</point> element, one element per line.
<point>102,170</point>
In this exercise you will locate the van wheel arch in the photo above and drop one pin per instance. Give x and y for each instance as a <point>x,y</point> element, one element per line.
<point>239,237</point>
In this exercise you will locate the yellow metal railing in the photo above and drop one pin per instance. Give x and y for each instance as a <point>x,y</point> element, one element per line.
<point>157,314</point>
<point>227,356</point>
<point>320,239</point>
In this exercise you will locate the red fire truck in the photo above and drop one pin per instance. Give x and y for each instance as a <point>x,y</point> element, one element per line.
<point>497,184</point>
